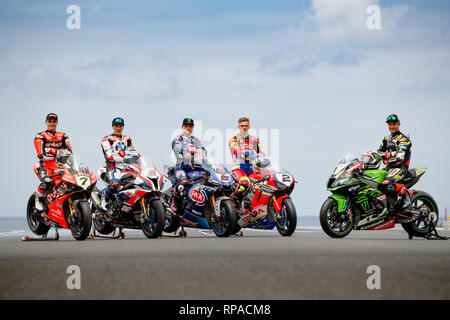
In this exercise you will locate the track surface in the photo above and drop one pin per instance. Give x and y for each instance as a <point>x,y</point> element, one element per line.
<point>260,265</point>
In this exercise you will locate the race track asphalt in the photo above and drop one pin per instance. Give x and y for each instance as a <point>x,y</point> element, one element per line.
<point>260,265</point>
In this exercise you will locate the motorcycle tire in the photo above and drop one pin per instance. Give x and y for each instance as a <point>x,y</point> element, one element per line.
<point>101,226</point>
<point>81,230</point>
<point>34,224</point>
<point>414,228</point>
<point>290,221</point>
<point>155,227</point>
<point>227,224</point>
<point>327,205</point>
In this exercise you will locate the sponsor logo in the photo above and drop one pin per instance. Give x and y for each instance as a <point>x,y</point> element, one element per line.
<point>197,196</point>
<point>54,195</point>
<point>250,216</point>
<point>53,144</point>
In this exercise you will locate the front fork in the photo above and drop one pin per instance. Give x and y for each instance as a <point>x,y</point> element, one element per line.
<point>72,205</point>
<point>344,205</point>
<point>144,215</point>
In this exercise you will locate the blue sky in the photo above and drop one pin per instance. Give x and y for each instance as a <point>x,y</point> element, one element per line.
<point>308,68</point>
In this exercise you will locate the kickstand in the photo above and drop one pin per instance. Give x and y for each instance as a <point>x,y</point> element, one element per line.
<point>42,238</point>
<point>431,234</point>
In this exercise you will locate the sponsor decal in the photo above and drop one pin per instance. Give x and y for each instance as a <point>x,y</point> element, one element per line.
<point>197,195</point>
<point>251,216</point>
<point>53,144</point>
<point>54,195</point>
<point>382,225</point>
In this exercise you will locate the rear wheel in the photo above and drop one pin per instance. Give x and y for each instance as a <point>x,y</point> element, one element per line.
<point>36,226</point>
<point>80,222</point>
<point>225,225</point>
<point>156,217</point>
<point>287,218</point>
<point>101,225</point>
<point>334,224</point>
<point>429,209</point>
<point>171,224</point>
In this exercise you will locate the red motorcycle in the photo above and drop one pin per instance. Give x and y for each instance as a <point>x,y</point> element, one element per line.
<point>267,204</point>
<point>66,204</point>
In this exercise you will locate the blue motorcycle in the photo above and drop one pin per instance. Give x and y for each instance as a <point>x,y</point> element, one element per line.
<point>206,202</point>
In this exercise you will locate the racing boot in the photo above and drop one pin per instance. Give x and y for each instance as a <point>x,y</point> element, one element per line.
<point>176,202</point>
<point>103,204</point>
<point>406,195</point>
<point>105,197</point>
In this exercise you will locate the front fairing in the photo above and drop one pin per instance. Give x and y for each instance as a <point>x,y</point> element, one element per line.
<point>146,175</point>
<point>219,175</point>
<point>77,174</point>
<point>200,194</point>
<point>340,177</point>
<point>280,177</point>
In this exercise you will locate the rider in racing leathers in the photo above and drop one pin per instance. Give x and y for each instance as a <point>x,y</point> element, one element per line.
<point>115,147</point>
<point>47,144</point>
<point>241,147</point>
<point>190,155</point>
<point>397,158</point>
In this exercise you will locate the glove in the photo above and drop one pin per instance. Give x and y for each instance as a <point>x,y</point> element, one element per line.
<point>47,180</point>
<point>246,154</point>
<point>121,153</point>
<point>388,155</point>
<point>51,151</point>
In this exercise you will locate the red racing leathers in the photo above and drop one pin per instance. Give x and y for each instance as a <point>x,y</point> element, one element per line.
<point>47,145</point>
<point>241,147</point>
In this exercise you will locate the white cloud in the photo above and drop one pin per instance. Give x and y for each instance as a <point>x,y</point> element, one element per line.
<point>341,18</point>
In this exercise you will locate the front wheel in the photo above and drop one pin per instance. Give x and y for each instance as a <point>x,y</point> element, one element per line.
<point>80,222</point>
<point>287,218</point>
<point>36,226</point>
<point>335,224</point>
<point>225,225</point>
<point>428,207</point>
<point>153,226</point>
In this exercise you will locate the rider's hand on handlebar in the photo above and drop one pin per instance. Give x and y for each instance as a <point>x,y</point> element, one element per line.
<point>388,155</point>
<point>357,171</point>
<point>51,151</point>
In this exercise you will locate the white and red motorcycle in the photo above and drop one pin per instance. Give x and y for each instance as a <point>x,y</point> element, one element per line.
<point>137,203</point>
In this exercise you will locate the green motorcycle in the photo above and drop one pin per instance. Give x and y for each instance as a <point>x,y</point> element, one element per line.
<point>357,203</point>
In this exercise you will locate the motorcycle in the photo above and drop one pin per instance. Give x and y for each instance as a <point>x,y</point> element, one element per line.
<point>206,203</point>
<point>357,203</point>
<point>136,205</point>
<point>66,205</point>
<point>267,203</point>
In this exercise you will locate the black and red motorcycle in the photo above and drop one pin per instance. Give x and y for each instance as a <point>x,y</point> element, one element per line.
<point>66,205</point>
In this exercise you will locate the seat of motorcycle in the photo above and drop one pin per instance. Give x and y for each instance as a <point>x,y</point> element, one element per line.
<point>410,176</point>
